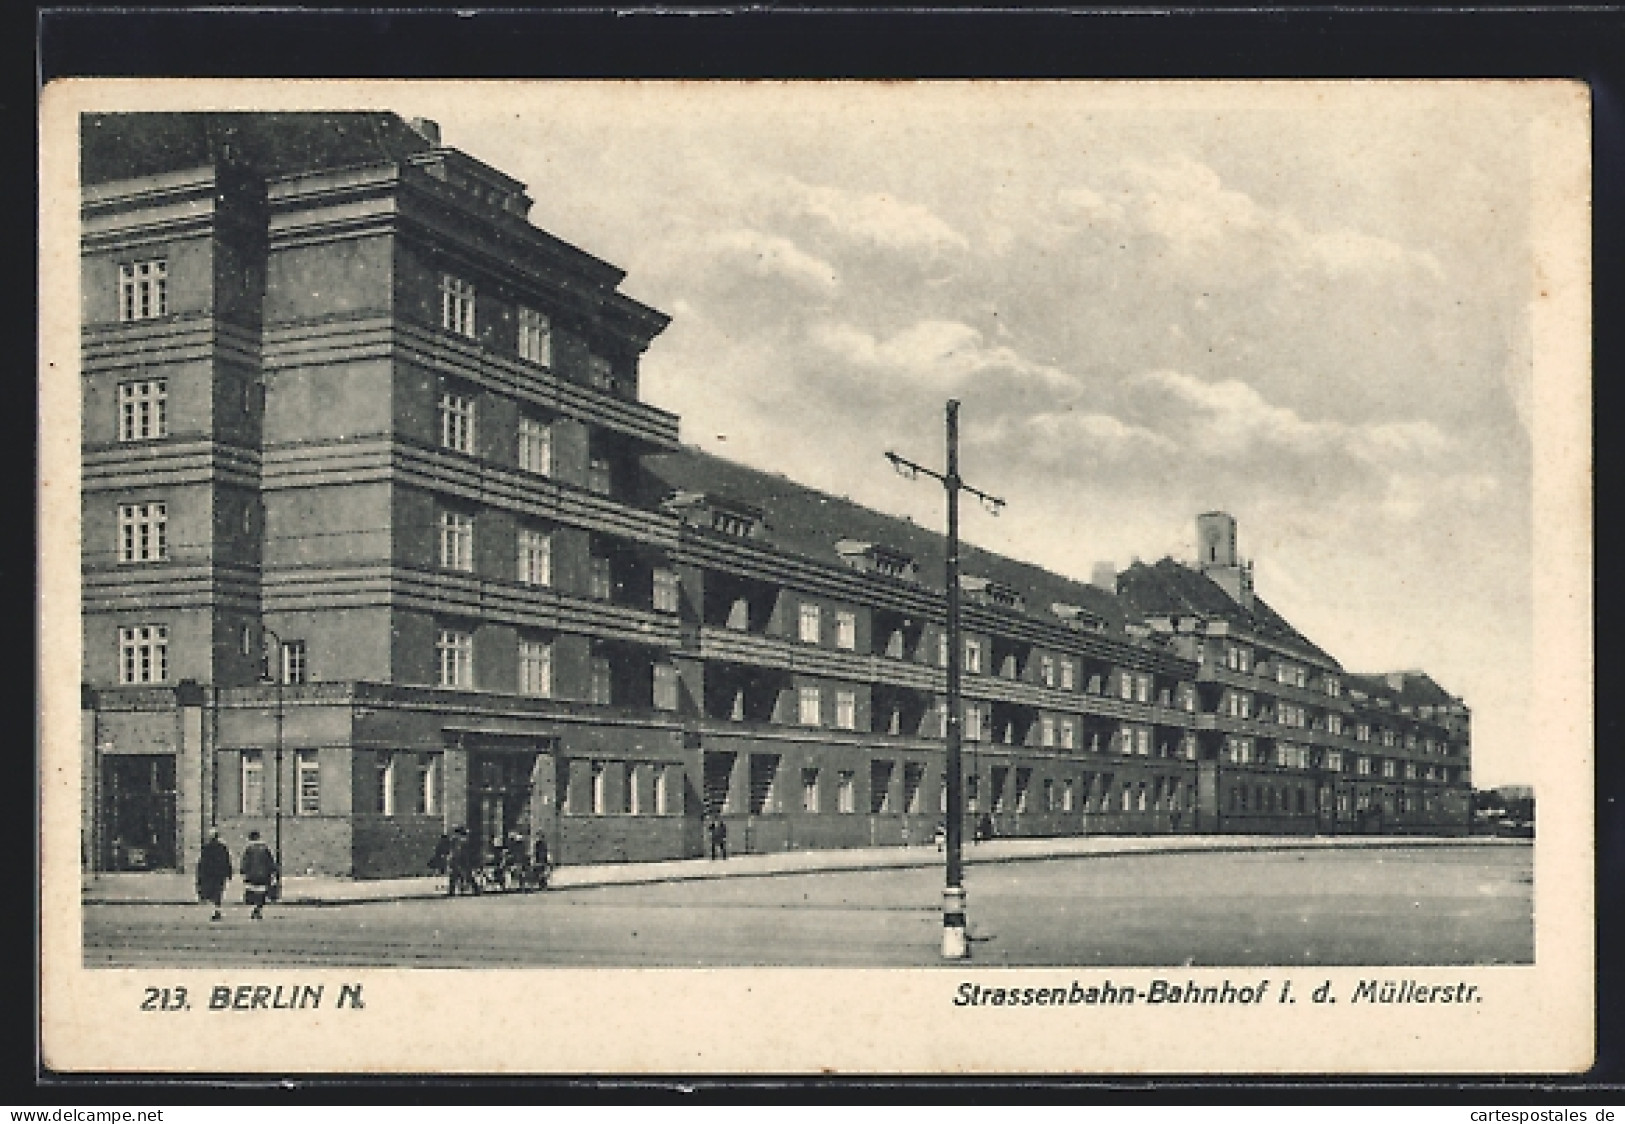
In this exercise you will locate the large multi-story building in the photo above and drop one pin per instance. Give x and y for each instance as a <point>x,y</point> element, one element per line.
<point>379,539</point>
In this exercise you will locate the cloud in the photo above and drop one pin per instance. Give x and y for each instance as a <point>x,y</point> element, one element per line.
<point>876,219</point>
<point>1064,435</point>
<point>937,352</point>
<point>1186,204</point>
<point>769,255</point>
<point>1232,418</point>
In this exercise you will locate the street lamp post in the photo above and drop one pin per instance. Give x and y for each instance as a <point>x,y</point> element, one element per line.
<point>277,673</point>
<point>955,945</point>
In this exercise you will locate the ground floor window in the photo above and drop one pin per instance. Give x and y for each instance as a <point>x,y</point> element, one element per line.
<point>913,779</point>
<point>600,788</point>
<point>809,790</point>
<point>308,782</point>
<point>880,786</point>
<point>253,782</point>
<point>845,792</point>
<point>427,802</point>
<point>662,794</point>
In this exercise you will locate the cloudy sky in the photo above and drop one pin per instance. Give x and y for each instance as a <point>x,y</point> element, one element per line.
<point>1306,306</point>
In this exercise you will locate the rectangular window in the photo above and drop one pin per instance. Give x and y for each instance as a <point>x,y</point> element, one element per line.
<point>972,723</point>
<point>1046,732</point>
<point>536,668</point>
<point>535,337</point>
<point>143,532</point>
<point>1334,723</point>
<point>602,682</point>
<point>809,790</point>
<point>457,305</point>
<point>846,630</point>
<point>144,654</point>
<point>535,446</point>
<point>1069,735</point>
<point>253,782</point>
<point>457,541</point>
<point>307,783</point>
<point>1046,670</point>
<point>1125,687</point>
<point>973,656</point>
<point>809,624</point>
<point>457,421</point>
<point>665,687</point>
<point>295,662</point>
<point>634,801</point>
<point>143,290</point>
<point>913,783</point>
<point>455,651</point>
<point>1142,688</point>
<point>942,649</point>
<point>535,558</point>
<point>1066,795</point>
<point>846,799</point>
<point>386,783</point>
<point>600,580</point>
<point>1142,742</point>
<point>1069,675</point>
<point>1024,779</point>
<point>143,410</point>
<point>662,791</point>
<point>846,710</point>
<point>427,802</point>
<point>880,787</point>
<point>809,706</point>
<point>665,591</point>
<point>600,788</point>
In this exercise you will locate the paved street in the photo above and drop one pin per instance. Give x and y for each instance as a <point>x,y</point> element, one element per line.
<point>1390,905</point>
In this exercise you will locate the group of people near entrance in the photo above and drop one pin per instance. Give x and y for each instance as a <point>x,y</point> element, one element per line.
<point>258,867</point>
<point>463,859</point>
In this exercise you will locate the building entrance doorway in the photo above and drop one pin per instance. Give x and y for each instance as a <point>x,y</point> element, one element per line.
<point>138,812</point>
<point>499,799</point>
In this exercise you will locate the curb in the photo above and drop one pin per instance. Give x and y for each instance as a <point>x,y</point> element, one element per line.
<point>629,875</point>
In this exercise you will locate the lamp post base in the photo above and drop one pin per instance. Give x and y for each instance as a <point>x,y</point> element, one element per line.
<point>955,945</point>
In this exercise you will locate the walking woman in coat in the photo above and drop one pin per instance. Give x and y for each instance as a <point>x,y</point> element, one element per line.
<point>259,874</point>
<point>213,872</point>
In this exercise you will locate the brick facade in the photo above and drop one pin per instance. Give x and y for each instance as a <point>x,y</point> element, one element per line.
<point>380,540</point>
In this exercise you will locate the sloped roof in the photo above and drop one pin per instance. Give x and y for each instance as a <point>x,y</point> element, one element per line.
<point>1403,688</point>
<point>807,522</point>
<point>1169,588</point>
<point>116,146</point>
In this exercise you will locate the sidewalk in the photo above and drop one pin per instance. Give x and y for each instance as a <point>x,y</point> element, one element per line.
<point>170,887</point>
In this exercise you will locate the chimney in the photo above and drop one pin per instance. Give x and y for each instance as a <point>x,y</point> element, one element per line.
<point>1104,576</point>
<point>427,129</point>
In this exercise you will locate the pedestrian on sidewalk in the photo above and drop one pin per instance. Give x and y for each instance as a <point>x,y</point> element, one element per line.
<point>719,839</point>
<point>441,859</point>
<point>259,874</point>
<point>213,872</point>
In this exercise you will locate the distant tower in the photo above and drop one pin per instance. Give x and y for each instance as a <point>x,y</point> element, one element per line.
<point>1216,539</point>
<point>1217,558</point>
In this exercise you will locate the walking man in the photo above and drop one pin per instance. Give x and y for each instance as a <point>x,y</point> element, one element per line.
<point>719,839</point>
<point>213,872</point>
<point>259,874</point>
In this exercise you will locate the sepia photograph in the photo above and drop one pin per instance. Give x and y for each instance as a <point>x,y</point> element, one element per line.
<point>1059,546</point>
